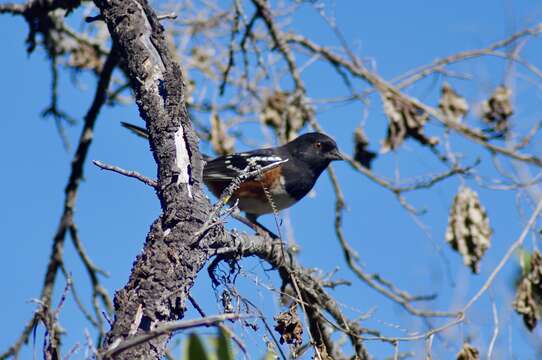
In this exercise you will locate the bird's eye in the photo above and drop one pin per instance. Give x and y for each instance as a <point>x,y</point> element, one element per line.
<point>318,145</point>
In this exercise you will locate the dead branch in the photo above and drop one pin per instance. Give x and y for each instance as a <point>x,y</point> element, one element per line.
<point>66,219</point>
<point>133,174</point>
<point>157,82</point>
<point>116,349</point>
<point>313,294</point>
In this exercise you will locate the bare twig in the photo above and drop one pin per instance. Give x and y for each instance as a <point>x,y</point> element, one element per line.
<point>132,174</point>
<point>169,16</point>
<point>505,258</point>
<point>426,70</point>
<point>98,291</point>
<point>375,281</point>
<point>66,219</point>
<point>358,70</point>
<point>495,330</point>
<point>225,328</point>
<point>168,328</point>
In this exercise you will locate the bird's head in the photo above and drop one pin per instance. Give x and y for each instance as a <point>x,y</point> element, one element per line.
<point>315,148</point>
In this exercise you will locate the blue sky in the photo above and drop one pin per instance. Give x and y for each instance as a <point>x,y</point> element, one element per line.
<point>114,213</point>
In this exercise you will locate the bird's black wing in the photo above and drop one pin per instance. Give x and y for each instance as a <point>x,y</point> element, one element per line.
<point>229,167</point>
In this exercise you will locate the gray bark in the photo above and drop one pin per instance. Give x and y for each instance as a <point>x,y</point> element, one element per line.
<point>164,272</point>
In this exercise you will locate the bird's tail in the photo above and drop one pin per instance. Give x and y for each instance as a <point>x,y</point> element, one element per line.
<point>138,130</point>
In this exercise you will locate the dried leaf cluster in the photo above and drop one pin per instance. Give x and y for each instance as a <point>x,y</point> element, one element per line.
<point>81,54</point>
<point>468,229</point>
<point>361,152</point>
<point>528,299</point>
<point>227,303</point>
<point>86,57</point>
<point>284,113</point>
<point>202,59</point>
<point>452,104</point>
<point>222,143</point>
<point>497,110</point>
<point>405,119</point>
<point>289,326</point>
<point>468,352</point>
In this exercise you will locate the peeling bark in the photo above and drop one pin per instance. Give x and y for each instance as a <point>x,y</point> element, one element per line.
<point>164,272</point>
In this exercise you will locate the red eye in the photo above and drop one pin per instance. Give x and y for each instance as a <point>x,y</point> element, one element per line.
<point>318,145</point>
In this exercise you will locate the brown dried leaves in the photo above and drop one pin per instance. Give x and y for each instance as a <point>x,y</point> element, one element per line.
<point>284,114</point>
<point>528,299</point>
<point>222,143</point>
<point>497,110</point>
<point>361,152</point>
<point>468,352</point>
<point>453,105</point>
<point>84,56</point>
<point>468,228</point>
<point>289,326</point>
<point>405,119</point>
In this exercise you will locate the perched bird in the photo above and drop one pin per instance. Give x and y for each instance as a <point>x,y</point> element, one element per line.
<point>300,163</point>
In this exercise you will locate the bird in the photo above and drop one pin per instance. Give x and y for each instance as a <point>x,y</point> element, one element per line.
<point>293,171</point>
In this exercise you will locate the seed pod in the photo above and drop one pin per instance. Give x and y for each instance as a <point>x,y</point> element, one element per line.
<point>227,302</point>
<point>497,110</point>
<point>452,104</point>
<point>84,56</point>
<point>528,300</point>
<point>468,352</point>
<point>361,152</point>
<point>405,119</point>
<point>282,112</point>
<point>468,228</point>
<point>222,143</point>
<point>289,326</point>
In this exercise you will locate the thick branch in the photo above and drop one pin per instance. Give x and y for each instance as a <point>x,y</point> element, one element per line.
<point>165,271</point>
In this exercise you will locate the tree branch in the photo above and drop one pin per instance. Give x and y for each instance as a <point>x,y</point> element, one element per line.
<point>66,219</point>
<point>163,274</point>
<point>167,328</point>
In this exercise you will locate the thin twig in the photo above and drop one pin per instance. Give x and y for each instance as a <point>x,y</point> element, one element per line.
<point>75,177</point>
<point>132,174</point>
<point>224,328</point>
<point>505,258</point>
<point>495,330</point>
<point>168,328</point>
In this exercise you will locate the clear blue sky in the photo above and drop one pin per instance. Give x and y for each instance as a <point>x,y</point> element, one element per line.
<point>114,213</point>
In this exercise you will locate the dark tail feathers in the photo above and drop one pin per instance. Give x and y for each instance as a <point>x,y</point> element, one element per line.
<point>142,132</point>
<point>138,130</point>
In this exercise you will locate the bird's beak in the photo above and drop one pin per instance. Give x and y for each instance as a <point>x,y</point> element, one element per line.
<point>335,155</point>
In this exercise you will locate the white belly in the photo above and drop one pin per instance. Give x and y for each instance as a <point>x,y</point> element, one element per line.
<point>281,200</point>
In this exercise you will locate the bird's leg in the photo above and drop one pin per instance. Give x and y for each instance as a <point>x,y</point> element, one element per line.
<point>237,216</point>
<point>251,221</point>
